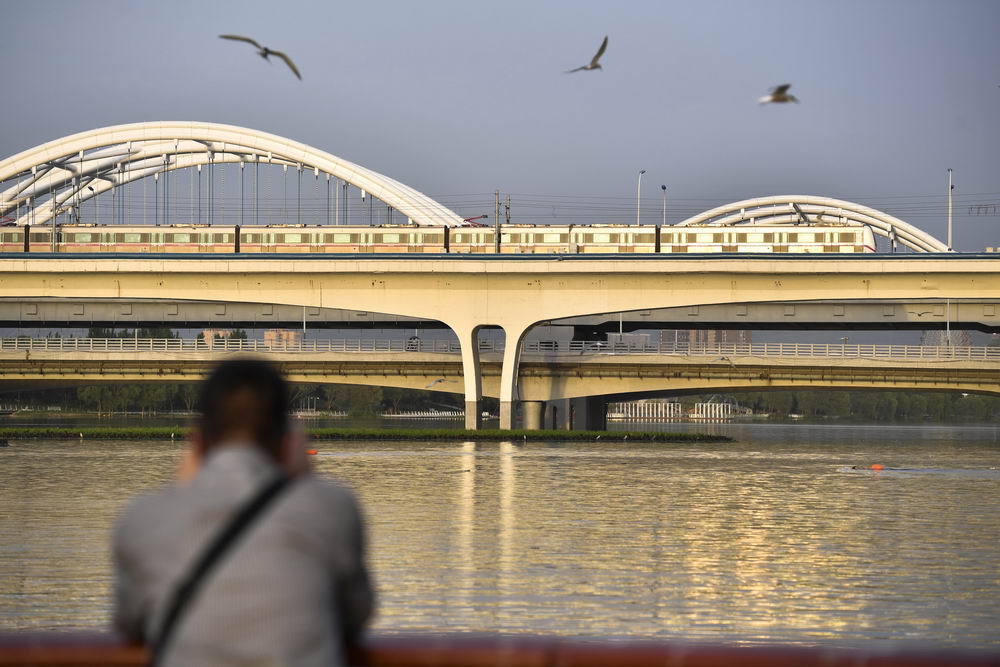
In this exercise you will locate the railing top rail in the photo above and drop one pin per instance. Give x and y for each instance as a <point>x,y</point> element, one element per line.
<point>64,649</point>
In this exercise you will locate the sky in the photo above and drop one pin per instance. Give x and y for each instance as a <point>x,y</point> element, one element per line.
<point>461,98</point>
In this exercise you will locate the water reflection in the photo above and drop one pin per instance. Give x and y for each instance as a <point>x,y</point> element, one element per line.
<point>774,538</point>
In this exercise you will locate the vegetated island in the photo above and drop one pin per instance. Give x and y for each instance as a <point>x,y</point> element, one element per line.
<point>370,434</point>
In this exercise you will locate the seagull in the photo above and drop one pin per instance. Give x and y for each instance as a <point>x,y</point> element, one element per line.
<point>779,95</point>
<point>594,64</point>
<point>265,52</point>
<point>438,381</point>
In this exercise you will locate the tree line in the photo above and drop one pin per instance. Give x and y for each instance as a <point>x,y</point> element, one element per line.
<point>357,401</point>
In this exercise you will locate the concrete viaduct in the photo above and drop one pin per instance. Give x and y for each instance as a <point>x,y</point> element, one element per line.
<point>549,379</point>
<point>467,293</point>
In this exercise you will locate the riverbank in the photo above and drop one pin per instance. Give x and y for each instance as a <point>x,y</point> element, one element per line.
<point>367,434</point>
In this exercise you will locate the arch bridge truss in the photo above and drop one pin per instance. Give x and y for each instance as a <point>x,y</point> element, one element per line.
<point>812,210</point>
<point>57,178</point>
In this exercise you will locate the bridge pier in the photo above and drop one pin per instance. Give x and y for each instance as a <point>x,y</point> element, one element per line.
<point>558,414</point>
<point>472,376</point>
<point>532,411</point>
<point>589,413</point>
<point>508,374</point>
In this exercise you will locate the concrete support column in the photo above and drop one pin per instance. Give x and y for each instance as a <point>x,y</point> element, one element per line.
<point>595,414</point>
<point>472,376</point>
<point>557,414</point>
<point>532,414</point>
<point>508,374</point>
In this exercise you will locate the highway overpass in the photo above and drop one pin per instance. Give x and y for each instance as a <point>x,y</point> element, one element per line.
<point>549,373</point>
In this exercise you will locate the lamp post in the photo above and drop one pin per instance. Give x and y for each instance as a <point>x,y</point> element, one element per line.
<point>950,188</point>
<point>664,189</point>
<point>638,195</point>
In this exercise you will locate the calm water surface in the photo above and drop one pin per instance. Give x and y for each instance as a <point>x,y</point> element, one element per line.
<point>772,538</point>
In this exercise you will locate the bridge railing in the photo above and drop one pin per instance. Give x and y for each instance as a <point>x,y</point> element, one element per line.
<point>722,352</point>
<point>729,350</point>
<point>225,345</point>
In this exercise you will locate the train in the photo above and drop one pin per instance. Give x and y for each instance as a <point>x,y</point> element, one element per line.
<point>514,239</point>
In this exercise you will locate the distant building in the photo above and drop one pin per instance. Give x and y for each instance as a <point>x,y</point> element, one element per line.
<point>282,336</point>
<point>954,338</point>
<point>706,336</point>
<point>221,334</point>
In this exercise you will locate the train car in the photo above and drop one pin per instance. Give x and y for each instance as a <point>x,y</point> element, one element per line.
<point>777,239</point>
<point>514,239</point>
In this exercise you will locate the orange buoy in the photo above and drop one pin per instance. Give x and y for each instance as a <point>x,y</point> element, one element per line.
<point>878,466</point>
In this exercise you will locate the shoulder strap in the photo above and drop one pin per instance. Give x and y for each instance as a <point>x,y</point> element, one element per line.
<point>209,558</point>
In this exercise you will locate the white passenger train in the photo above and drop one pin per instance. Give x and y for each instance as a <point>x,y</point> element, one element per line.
<point>515,239</point>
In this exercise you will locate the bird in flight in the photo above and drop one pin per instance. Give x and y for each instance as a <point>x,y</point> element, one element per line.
<point>779,95</point>
<point>594,64</point>
<point>265,52</point>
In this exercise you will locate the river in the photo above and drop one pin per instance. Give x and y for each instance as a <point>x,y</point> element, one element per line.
<point>771,538</point>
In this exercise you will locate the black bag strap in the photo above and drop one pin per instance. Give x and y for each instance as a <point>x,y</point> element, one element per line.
<point>209,558</point>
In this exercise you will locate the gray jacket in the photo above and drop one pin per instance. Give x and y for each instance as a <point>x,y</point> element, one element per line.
<point>290,591</point>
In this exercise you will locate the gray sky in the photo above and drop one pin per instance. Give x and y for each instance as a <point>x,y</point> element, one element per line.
<point>460,98</point>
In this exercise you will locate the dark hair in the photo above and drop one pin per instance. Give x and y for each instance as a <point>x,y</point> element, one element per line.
<point>245,396</point>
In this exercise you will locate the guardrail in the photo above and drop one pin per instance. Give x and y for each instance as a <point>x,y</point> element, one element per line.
<point>65,649</point>
<point>724,352</point>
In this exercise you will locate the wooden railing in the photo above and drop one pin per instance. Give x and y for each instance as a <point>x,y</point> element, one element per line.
<point>93,650</point>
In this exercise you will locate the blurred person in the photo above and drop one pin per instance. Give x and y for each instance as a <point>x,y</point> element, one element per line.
<point>247,559</point>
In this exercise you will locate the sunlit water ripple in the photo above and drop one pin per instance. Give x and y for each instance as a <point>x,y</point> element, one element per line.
<point>772,538</point>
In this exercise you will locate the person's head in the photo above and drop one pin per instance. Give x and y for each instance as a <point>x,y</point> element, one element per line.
<point>245,401</point>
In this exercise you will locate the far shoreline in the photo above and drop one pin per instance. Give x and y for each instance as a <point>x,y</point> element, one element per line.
<point>169,433</point>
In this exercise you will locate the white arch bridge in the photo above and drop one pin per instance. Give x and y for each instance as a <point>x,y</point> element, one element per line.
<point>59,177</point>
<point>55,180</point>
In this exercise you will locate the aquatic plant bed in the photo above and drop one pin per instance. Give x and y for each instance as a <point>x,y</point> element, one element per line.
<point>443,434</point>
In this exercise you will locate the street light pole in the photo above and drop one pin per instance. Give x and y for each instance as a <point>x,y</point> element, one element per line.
<point>664,189</point>
<point>950,188</point>
<point>638,195</point>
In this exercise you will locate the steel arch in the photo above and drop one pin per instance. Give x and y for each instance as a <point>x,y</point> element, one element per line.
<point>799,209</point>
<point>69,171</point>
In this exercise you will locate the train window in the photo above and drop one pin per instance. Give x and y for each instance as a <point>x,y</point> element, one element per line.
<point>806,237</point>
<point>220,238</point>
<point>132,238</point>
<point>390,238</point>
<point>551,238</point>
<point>703,238</point>
<point>341,238</point>
<point>847,237</point>
<point>645,238</point>
<point>793,238</point>
<point>741,238</point>
<point>438,238</point>
<point>769,238</point>
<point>179,238</point>
<point>293,238</point>
<point>82,238</point>
<point>601,238</point>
